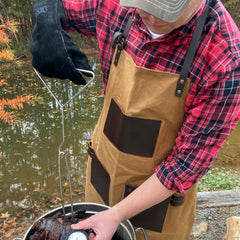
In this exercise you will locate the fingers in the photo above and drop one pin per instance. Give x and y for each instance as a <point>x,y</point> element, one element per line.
<point>92,236</point>
<point>102,225</point>
<point>81,225</point>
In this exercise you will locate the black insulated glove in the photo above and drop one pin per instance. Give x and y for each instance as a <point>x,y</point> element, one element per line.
<point>54,53</point>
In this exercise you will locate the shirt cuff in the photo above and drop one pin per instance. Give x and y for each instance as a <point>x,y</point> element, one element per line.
<point>167,178</point>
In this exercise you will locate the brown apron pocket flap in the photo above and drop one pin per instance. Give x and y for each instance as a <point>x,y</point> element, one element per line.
<point>100,178</point>
<point>131,135</point>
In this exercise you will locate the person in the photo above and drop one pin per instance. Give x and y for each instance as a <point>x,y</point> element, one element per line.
<point>171,73</point>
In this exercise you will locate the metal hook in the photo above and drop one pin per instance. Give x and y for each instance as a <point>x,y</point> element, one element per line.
<point>143,231</point>
<point>60,152</point>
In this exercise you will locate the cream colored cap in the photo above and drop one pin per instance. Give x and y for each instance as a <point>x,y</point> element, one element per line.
<point>166,10</point>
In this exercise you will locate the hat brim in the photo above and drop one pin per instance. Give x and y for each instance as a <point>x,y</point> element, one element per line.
<point>166,10</point>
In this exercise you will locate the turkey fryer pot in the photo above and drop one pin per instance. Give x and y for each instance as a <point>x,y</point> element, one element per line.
<point>125,230</point>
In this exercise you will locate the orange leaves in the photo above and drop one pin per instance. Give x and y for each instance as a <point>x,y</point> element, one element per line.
<point>7,26</point>
<point>3,82</point>
<point>3,37</point>
<point>10,228</point>
<point>6,53</point>
<point>6,117</point>
<point>9,107</point>
<point>20,214</point>
<point>16,103</point>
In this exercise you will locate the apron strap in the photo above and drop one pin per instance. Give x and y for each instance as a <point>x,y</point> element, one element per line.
<point>191,52</point>
<point>121,40</point>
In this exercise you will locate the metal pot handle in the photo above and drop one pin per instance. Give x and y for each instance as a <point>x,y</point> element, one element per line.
<point>144,232</point>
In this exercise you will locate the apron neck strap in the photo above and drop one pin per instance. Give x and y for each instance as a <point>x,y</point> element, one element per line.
<point>121,36</point>
<point>191,51</point>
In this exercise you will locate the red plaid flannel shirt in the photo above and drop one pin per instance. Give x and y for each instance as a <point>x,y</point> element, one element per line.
<point>213,104</point>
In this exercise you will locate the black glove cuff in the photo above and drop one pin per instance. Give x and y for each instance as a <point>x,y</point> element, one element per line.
<point>49,13</point>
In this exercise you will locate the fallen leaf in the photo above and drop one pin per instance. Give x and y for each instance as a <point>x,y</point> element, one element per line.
<point>18,154</point>
<point>9,233</point>
<point>5,215</point>
<point>58,199</point>
<point>25,206</point>
<point>65,184</point>
<point>20,214</point>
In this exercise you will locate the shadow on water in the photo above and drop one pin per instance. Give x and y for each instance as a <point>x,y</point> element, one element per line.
<point>28,170</point>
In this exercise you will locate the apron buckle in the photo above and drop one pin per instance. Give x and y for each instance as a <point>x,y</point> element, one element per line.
<point>120,46</point>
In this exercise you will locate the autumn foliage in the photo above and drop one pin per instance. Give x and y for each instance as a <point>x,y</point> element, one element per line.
<point>14,104</point>
<point>6,53</point>
<point>9,108</point>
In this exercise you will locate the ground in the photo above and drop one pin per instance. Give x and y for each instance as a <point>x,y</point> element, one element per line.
<point>213,222</point>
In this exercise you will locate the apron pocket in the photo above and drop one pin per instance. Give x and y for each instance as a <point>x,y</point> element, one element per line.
<point>152,218</point>
<point>100,178</point>
<point>131,135</point>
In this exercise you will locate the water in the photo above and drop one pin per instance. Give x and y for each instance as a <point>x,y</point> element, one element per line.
<point>28,169</point>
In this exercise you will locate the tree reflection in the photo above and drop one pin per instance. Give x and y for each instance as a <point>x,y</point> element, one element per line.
<point>28,171</point>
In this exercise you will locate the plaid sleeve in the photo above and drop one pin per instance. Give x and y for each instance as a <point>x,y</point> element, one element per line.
<point>213,114</point>
<point>212,108</point>
<point>81,16</point>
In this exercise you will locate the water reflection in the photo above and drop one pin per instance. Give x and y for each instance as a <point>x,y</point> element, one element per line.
<point>28,171</point>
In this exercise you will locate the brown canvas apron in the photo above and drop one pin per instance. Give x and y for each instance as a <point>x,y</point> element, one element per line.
<point>142,114</point>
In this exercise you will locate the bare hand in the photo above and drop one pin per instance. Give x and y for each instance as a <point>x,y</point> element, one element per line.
<point>104,225</point>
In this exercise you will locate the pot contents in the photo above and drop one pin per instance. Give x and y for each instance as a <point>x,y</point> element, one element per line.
<point>57,227</point>
<point>49,228</point>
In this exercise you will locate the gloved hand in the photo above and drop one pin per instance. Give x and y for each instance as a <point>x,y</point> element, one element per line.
<point>54,53</point>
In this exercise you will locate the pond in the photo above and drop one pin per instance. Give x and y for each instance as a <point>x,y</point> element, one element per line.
<point>29,170</point>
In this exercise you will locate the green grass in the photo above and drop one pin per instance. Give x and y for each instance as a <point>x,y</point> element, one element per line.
<point>220,179</point>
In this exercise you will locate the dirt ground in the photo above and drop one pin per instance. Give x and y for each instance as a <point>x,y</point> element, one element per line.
<point>213,222</point>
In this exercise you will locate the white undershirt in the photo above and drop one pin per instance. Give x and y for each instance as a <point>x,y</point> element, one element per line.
<point>154,35</point>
